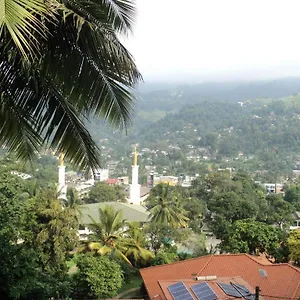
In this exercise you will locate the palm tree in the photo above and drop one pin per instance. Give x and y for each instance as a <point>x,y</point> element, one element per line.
<point>136,243</point>
<point>167,209</point>
<point>107,234</point>
<point>62,62</point>
<point>110,238</point>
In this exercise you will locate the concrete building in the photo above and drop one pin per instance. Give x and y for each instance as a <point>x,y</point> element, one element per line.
<point>101,175</point>
<point>135,187</point>
<point>62,186</point>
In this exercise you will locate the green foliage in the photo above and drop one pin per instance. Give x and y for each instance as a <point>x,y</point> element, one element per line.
<point>67,63</point>
<point>98,276</point>
<point>278,211</point>
<point>54,229</point>
<point>167,207</point>
<point>111,239</point>
<point>162,236</point>
<point>293,243</point>
<point>292,195</point>
<point>102,192</point>
<point>164,257</point>
<point>22,273</point>
<point>248,236</point>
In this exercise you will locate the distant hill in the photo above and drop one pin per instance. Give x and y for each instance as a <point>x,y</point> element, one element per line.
<point>223,119</point>
<point>173,97</point>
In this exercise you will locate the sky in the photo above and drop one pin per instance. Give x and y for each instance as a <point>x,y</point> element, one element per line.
<point>199,40</point>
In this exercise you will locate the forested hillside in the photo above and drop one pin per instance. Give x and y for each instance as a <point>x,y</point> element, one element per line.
<point>217,122</point>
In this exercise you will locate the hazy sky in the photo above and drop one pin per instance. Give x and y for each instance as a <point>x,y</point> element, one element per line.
<point>213,39</point>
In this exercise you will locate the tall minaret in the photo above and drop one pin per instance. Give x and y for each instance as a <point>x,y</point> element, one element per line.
<point>135,187</point>
<point>62,188</point>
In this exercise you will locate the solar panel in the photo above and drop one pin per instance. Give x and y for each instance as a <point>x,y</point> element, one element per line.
<point>229,290</point>
<point>243,291</point>
<point>179,291</point>
<point>203,291</point>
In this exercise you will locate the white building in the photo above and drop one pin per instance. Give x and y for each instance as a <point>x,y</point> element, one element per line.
<point>135,187</point>
<point>62,187</point>
<point>101,175</point>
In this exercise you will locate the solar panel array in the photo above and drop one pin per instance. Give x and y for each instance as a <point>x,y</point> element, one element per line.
<point>203,291</point>
<point>229,290</point>
<point>179,291</point>
<point>243,291</point>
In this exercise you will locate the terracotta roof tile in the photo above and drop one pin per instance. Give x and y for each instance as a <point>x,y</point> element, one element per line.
<point>283,280</point>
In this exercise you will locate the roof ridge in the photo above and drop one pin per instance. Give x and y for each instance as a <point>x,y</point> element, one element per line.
<point>208,261</point>
<point>132,207</point>
<point>177,262</point>
<point>284,264</point>
<point>260,263</point>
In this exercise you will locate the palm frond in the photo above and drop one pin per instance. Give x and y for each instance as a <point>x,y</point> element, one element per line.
<point>17,127</point>
<point>83,70</point>
<point>119,14</point>
<point>21,19</point>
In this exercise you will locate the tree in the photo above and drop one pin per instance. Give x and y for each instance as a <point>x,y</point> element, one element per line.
<point>293,243</point>
<point>278,212</point>
<point>18,264</point>
<point>136,250</point>
<point>54,232</point>
<point>22,274</point>
<point>98,276</point>
<point>102,192</point>
<point>62,61</point>
<point>167,209</point>
<point>292,195</point>
<point>109,238</point>
<point>249,236</point>
<point>163,236</point>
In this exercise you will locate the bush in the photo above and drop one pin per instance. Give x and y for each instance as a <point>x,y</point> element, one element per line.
<point>97,276</point>
<point>163,257</point>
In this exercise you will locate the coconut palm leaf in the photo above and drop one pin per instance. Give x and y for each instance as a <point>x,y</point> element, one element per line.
<point>167,209</point>
<point>21,20</point>
<point>82,70</point>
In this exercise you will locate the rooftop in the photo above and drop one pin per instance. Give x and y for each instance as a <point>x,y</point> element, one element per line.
<point>274,280</point>
<point>131,212</point>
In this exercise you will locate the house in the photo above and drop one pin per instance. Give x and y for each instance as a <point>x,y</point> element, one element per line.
<point>221,273</point>
<point>131,213</point>
<point>296,216</point>
<point>112,181</point>
<point>275,188</point>
<point>101,174</point>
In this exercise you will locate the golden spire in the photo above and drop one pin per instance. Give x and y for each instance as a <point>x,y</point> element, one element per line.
<point>61,159</point>
<point>135,157</point>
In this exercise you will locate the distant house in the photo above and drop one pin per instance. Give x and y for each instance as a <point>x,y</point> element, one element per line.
<point>131,213</point>
<point>112,181</point>
<point>222,277</point>
<point>296,224</point>
<point>21,175</point>
<point>101,174</point>
<point>274,188</point>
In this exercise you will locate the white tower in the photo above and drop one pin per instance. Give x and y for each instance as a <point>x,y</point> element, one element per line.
<point>135,187</point>
<point>62,187</point>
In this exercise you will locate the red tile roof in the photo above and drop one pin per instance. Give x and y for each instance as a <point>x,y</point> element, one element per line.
<point>283,280</point>
<point>112,181</point>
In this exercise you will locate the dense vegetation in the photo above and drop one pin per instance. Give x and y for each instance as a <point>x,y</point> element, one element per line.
<point>260,136</point>
<point>39,232</point>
